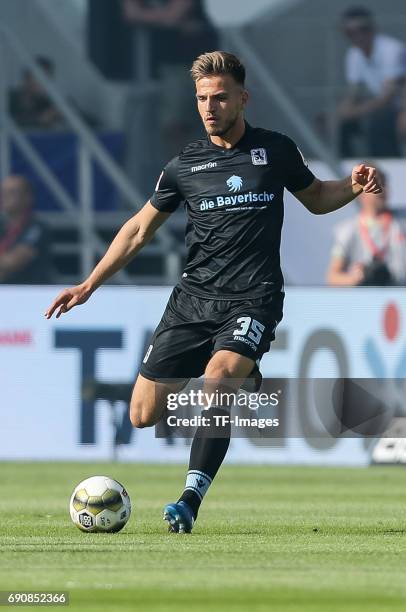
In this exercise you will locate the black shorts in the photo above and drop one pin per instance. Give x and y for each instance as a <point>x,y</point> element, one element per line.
<point>193,328</point>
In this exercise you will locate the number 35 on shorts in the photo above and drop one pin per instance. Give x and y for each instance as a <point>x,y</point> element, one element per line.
<point>251,328</point>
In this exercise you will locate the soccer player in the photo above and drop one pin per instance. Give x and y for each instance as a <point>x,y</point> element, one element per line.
<point>221,317</point>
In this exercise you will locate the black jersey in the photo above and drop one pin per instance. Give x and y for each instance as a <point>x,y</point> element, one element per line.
<point>234,204</point>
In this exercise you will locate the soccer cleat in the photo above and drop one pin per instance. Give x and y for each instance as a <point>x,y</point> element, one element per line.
<point>180,517</point>
<point>253,382</point>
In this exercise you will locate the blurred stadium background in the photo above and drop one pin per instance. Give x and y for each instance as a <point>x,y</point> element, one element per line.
<point>96,162</point>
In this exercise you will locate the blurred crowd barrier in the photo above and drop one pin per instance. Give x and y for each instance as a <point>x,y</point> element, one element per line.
<point>47,368</point>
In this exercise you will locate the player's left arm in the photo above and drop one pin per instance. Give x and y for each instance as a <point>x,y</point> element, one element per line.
<point>322,197</point>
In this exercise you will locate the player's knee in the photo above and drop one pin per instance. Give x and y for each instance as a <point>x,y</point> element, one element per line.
<point>137,420</point>
<point>140,417</point>
<point>218,371</point>
<point>140,421</point>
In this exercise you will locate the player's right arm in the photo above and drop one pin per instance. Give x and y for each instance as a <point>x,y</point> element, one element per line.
<point>131,238</point>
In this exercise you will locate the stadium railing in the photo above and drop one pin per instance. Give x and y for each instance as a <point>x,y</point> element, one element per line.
<point>89,150</point>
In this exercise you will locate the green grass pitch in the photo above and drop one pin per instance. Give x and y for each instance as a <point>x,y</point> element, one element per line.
<point>267,538</point>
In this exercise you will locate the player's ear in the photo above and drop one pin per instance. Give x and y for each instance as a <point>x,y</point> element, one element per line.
<point>245,97</point>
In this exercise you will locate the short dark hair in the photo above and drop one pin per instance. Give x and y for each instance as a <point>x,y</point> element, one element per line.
<point>216,63</point>
<point>359,12</point>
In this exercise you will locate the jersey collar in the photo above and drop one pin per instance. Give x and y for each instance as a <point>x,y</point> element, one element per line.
<point>244,138</point>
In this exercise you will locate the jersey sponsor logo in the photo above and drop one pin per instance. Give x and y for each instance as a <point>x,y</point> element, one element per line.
<point>207,166</point>
<point>234,183</point>
<point>233,200</point>
<point>259,157</point>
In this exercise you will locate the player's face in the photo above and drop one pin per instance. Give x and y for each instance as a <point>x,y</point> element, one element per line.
<point>220,101</point>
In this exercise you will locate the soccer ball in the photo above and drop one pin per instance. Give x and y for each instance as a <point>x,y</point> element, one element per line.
<point>99,504</point>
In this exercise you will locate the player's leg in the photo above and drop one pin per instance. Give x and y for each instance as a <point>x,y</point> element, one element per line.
<point>149,400</point>
<point>224,375</point>
<point>246,331</point>
<point>178,351</point>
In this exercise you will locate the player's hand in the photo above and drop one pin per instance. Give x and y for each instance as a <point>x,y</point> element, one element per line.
<point>68,299</point>
<point>367,178</point>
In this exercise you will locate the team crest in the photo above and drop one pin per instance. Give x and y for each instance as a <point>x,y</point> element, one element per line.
<point>259,157</point>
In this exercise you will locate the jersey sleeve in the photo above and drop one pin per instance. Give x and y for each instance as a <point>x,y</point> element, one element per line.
<point>297,175</point>
<point>167,195</point>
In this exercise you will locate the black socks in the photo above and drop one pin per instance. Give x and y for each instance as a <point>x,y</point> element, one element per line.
<point>209,447</point>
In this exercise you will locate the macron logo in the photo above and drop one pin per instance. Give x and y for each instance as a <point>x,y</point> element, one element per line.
<point>234,183</point>
<point>207,166</point>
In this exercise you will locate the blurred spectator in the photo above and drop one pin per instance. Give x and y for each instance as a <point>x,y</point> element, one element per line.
<point>29,104</point>
<point>370,248</point>
<point>178,31</point>
<point>23,239</point>
<point>375,70</point>
<point>109,39</point>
